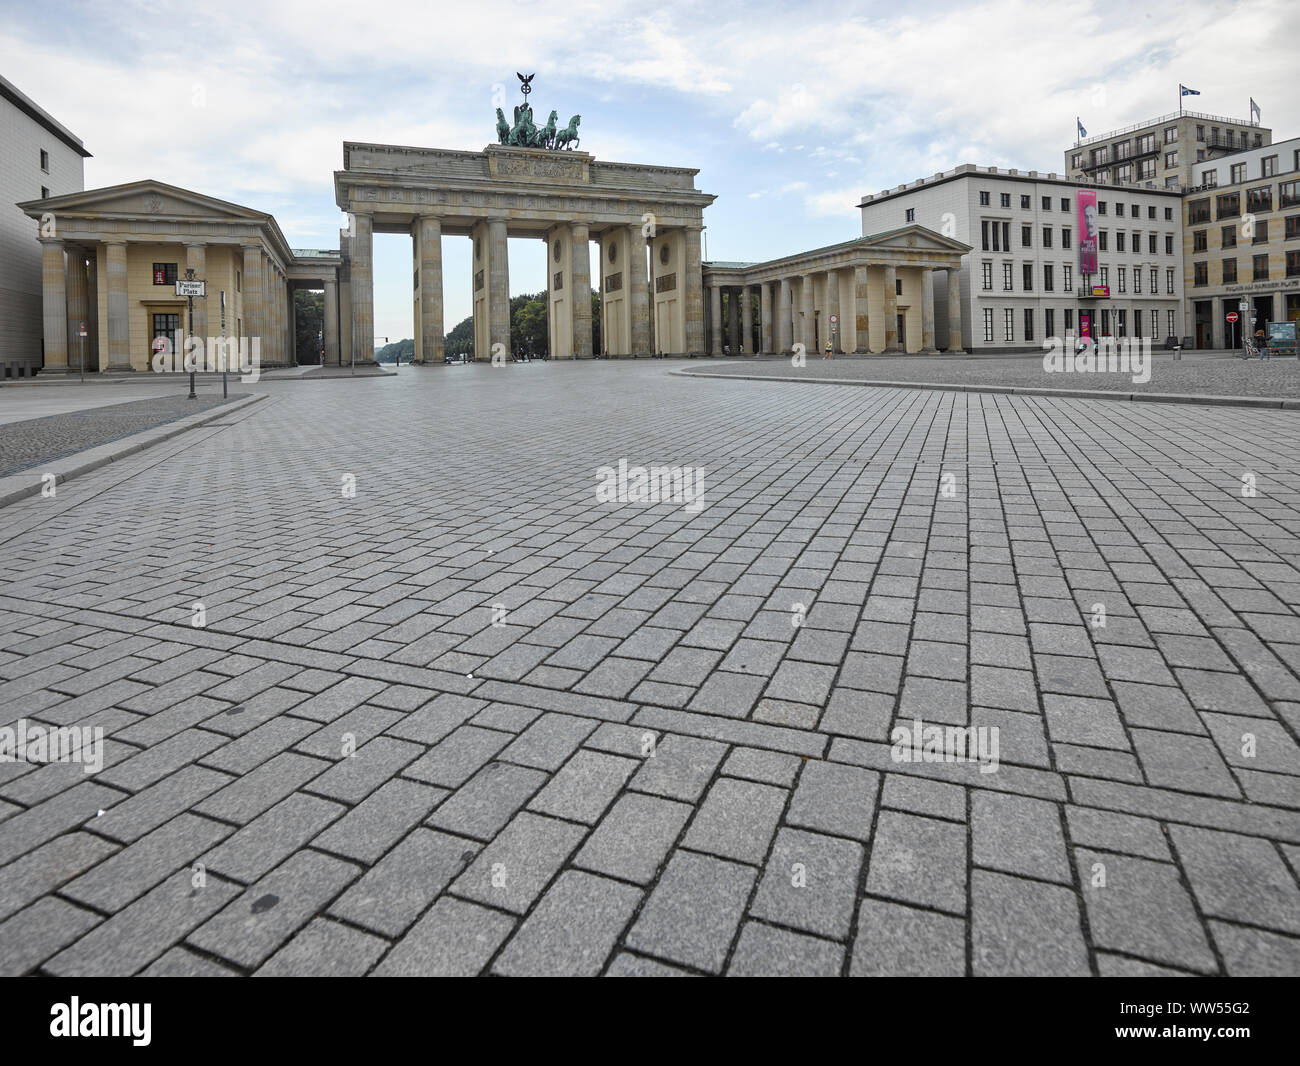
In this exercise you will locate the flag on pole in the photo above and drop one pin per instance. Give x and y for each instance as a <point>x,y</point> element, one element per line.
<point>1082,132</point>
<point>1254,110</point>
<point>1183,90</point>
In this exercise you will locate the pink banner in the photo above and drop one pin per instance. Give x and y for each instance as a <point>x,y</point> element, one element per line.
<point>1087,232</point>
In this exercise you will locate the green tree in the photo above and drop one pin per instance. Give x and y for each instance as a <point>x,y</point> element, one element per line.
<point>310,324</point>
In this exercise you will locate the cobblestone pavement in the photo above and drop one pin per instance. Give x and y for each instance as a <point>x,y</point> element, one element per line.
<point>1200,375</point>
<point>646,766</point>
<point>31,442</point>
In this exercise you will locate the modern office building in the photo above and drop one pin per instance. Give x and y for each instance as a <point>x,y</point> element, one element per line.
<point>1050,256</point>
<point>39,158</point>
<point>1164,151</point>
<point>1241,242</point>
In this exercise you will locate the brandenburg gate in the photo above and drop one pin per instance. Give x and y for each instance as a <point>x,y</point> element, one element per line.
<point>647,221</point>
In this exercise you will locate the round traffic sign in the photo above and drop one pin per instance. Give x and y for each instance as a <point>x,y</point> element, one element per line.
<point>1232,316</point>
<point>835,318</point>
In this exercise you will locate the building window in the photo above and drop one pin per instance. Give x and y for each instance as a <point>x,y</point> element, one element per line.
<point>1006,277</point>
<point>1027,276</point>
<point>1047,278</point>
<point>1151,211</point>
<point>898,286</point>
<point>984,234</point>
<point>1119,241</point>
<point>164,330</point>
<point>1103,240</point>
<point>1047,236</point>
<point>1293,264</point>
<point>1122,273</point>
<point>1238,173</point>
<point>1049,322</point>
<point>1137,322</point>
<point>1260,263</point>
<point>984,199</point>
<point>1292,227</point>
<point>1210,179</point>
<point>1171,323</point>
<point>1200,133</point>
<point>1102,207</point>
<point>1227,238</point>
<point>1105,275</point>
<point>986,276</point>
<point>1008,324</point>
<point>1169,281</point>
<point>1171,159</point>
<point>1155,323</point>
<point>239,281</point>
<point>1065,236</point>
<point>1067,276</point>
<point>910,216</point>
<point>1151,244</point>
<point>1029,323</point>
<point>1047,203</point>
<point>988,324</point>
<point>1146,170</point>
<point>1259,199</point>
<point>1228,205</point>
<point>1199,240</point>
<point>1065,203</point>
<point>1076,161</point>
<point>1288,194</point>
<point>1198,211</point>
<point>1268,166</point>
<point>1171,134</point>
<point>45,161</point>
<point>45,193</point>
<point>1004,198</point>
<point>1146,142</point>
<point>1169,214</point>
<point>1026,236</point>
<point>1155,280</point>
<point>1137,279</point>
<point>1229,271</point>
<point>164,273</point>
<point>1261,233</point>
<point>1169,244</point>
<point>1121,322</point>
<point>1024,203</point>
<point>1069,319</point>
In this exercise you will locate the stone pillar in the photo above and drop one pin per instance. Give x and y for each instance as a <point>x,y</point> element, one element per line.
<point>92,309</point>
<point>431,329</point>
<point>271,294</point>
<point>78,289</point>
<point>765,317</point>
<point>196,259</point>
<point>891,308</point>
<point>784,313</point>
<point>927,313</point>
<point>330,326</point>
<point>345,315</point>
<point>808,330</point>
<point>746,321</point>
<point>861,319</point>
<point>580,276</point>
<point>694,282</point>
<point>254,328</point>
<point>715,319</point>
<point>292,323</point>
<point>119,314</point>
<point>498,283</point>
<point>954,311</point>
<point>54,303</point>
<point>638,292</point>
<point>833,308</point>
<point>733,320</point>
<point>363,288</point>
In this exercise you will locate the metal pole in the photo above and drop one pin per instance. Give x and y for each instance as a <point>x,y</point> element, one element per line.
<point>225,358</point>
<point>189,276</point>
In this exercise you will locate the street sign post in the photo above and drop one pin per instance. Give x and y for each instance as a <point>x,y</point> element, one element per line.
<point>187,286</point>
<point>1232,316</point>
<point>225,355</point>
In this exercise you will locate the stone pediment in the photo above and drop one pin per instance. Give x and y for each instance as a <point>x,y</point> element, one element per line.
<point>144,199</point>
<point>914,239</point>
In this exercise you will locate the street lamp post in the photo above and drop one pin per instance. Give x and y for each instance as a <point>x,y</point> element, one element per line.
<point>189,276</point>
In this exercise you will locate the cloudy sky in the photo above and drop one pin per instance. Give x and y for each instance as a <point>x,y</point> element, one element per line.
<point>790,111</point>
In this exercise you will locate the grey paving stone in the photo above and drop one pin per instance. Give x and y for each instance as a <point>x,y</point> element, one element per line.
<point>1142,909</point>
<point>693,912</point>
<point>34,934</point>
<point>514,869</point>
<point>680,768</point>
<point>835,798</point>
<point>769,767</point>
<point>1111,831</point>
<point>245,798</point>
<point>897,941</point>
<point>182,962</point>
<point>148,809</point>
<point>736,820</point>
<point>919,860</point>
<point>453,939</point>
<point>1019,835</point>
<point>380,820</point>
<point>1190,764</point>
<point>549,741</point>
<point>810,882</point>
<point>1237,877</point>
<point>483,805</point>
<point>271,837</point>
<point>353,777</point>
<point>266,914</point>
<point>1081,720</point>
<point>1024,928</point>
<point>584,787</point>
<point>1256,953</point>
<point>397,889</point>
<point>572,930</point>
<point>626,964</point>
<point>765,951</point>
<point>47,867</point>
<point>920,795</point>
<point>325,949</point>
<point>633,839</point>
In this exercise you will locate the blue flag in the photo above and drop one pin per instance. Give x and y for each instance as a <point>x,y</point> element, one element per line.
<point>1082,131</point>
<point>1185,91</point>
